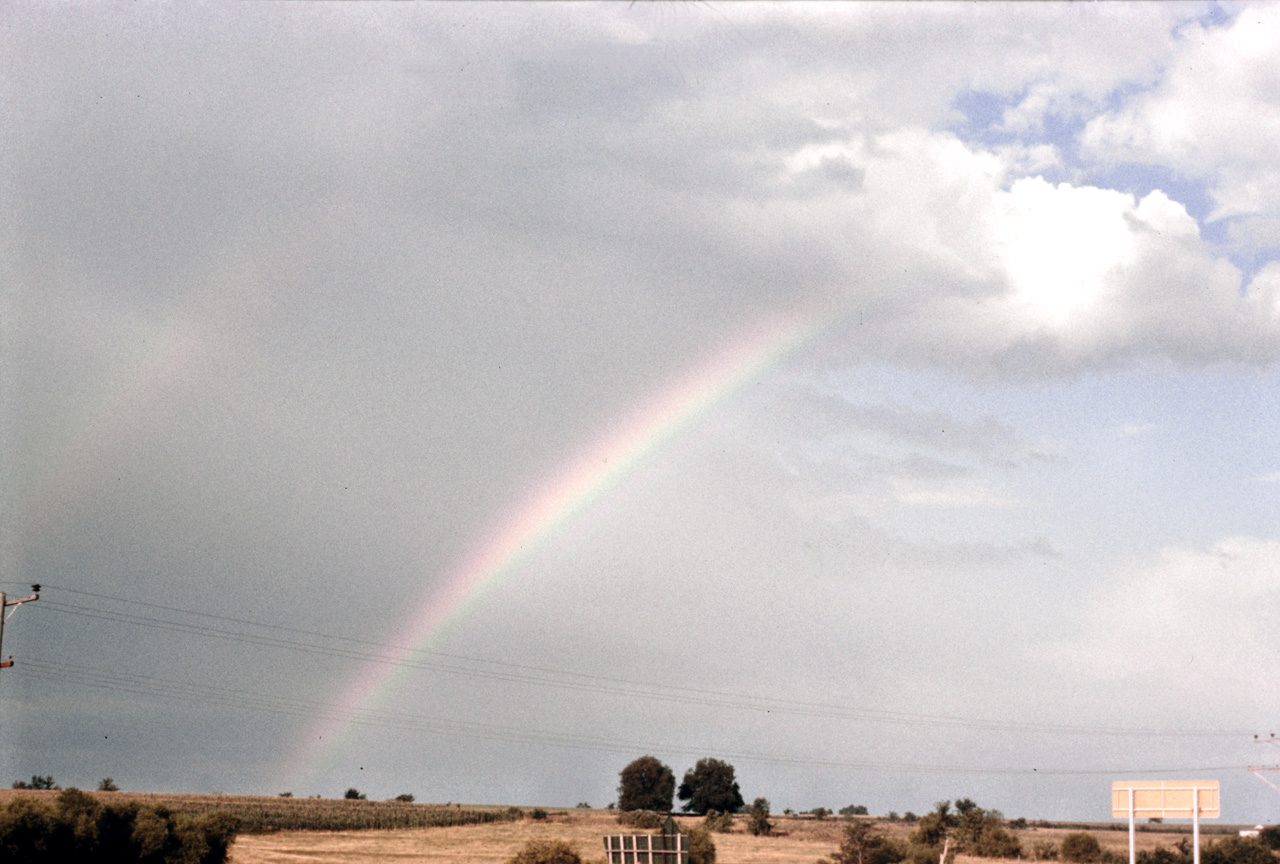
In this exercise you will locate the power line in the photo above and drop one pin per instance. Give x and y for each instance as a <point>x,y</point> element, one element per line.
<point>121,682</point>
<point>565,679</point>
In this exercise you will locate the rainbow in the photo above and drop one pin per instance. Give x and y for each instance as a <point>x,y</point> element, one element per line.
<point>545,514</point>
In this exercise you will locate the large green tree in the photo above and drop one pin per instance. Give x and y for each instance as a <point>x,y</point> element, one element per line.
<point>709,785</point>
<point>646,784</point>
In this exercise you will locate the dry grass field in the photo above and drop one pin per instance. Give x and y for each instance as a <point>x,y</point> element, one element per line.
<point>801,841</point>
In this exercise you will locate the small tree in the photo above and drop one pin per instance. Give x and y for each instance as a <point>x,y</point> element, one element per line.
<point>405,798</point>
<point>758,818</point>
<point>354,794</point>
<point>646,784</point>
<point>709,785</point>
<point>820,813</point>
<point>859,844</point>
<point>854,810</point>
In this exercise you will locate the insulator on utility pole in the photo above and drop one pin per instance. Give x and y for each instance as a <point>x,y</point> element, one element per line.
<point>5,663</point>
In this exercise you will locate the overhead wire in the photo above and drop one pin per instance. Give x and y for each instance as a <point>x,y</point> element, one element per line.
<point>237,698</point>
<point>570,680</point>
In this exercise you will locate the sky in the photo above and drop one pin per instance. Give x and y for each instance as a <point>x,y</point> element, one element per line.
<point>465,400</point>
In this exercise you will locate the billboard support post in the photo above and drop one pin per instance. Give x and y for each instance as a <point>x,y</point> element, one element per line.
<point>1133,855</point>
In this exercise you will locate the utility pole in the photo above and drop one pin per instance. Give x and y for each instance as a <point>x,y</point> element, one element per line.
<point>5,663</point>
<point>1257,770</point>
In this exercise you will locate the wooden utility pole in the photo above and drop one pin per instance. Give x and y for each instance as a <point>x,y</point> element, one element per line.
<point>1257,770</point>
<point>5,663</point>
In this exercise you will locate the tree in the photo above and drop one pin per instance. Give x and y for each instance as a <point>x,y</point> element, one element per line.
<point>758,818</point>
<point>106,784</point>
<point>646,784</point>
<point>354,794</point>
<point>709,785</point>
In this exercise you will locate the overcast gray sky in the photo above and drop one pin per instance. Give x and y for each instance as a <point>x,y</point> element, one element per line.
<point>880,396</point>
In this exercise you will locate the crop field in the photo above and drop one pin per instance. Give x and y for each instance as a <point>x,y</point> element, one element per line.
<point>260,814</point>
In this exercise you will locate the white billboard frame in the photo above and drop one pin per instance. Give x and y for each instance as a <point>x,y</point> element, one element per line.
<point>1166,799</point>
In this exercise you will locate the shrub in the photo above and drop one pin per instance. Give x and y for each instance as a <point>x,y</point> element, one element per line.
<point>77,827</point>
<point>38,781</point>
<point>646,784</point>
<point>538,813</point>
<point>583,805</point>
<point>1080,847</point>
<point>285,795</point>
<point>643,819</point>
<point>515,813</point>
<point>721,823</point>
<point>758,818</point>
<point>1237,850</point>
<point>910,817</point>
<point>106,784</point>
<point>1270,836</point>
<point>546,852</point>
<point>853,810</point>
<point>702,849</point>
<point>354,794</point>
<point>1046,851</point>
<point>404,797</point>
<point>820,813</point>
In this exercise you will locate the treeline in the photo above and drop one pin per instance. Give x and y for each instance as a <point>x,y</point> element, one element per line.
<point>75,826</point>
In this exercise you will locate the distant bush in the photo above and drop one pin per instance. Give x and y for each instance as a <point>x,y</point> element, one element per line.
<point>583,805</point>
<point>702,849</point>
<point>538,813</point>
<point>1019,823</point>
<point>515,813</point>
<point>644,819</point>
<point>354,794</point>
<point>1270,836</point>
<point>853,810</point>
<point>1080,847</point>
<point>910,817</point>
<point>546,852</point>
<point>77,827</point>
<point>106,784</point>
<point>758,818</point>
<point>404,798</point>
<point>38,781</point>
<point>285,795</point>
<point>820,813</point>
